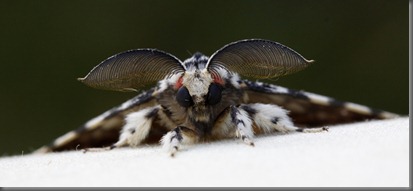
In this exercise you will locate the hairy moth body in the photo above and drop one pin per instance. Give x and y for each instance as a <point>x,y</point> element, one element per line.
<point>203,98</point>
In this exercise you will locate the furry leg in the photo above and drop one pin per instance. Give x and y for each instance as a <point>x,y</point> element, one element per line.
<point>241,119</point>
<point>234,122</point>
<point>174,138</point>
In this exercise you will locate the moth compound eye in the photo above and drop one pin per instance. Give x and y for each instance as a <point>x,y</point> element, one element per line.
<point>214,94</point>
<point>183,97</point>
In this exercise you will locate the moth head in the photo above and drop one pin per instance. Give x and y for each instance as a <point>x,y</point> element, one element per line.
<point>205,78</point>
<point>198,86</point>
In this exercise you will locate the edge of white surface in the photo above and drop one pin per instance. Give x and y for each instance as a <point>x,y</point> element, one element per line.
<point>366,154</point>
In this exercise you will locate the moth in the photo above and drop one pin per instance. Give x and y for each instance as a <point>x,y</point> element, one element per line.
<point>205,99</point>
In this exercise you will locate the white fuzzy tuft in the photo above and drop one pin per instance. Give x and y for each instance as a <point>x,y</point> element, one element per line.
<point>266,113</point>
<point>167,142</point>
<point>235,80</point>
<point>245,128</point>
<point>223,73</point>
<point>168,81</point>
<point>197,84</point>
<point>137,127</point>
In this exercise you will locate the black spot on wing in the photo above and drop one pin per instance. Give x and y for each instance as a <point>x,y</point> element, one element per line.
<point>275,120</point>
<point>80,129</point>
<point>375,112</point>
<point>237,122</point>
<point>251,111</point>
<point>152,114</point>
<point>298,94</point>
<point>260,87</point>
<point>336,103</point>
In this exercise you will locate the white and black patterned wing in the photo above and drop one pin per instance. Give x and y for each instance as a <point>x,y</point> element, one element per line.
<point>102,130</point>
<point>309,109</point>
<point>127,71</point>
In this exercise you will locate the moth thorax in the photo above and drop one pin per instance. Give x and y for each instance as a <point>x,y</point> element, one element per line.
<point>197,82</point>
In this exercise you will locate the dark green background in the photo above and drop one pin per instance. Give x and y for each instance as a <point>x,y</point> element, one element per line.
<point>360,47</point>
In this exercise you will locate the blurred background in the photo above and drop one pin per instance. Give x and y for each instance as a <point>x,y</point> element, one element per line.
<point>361,49</point>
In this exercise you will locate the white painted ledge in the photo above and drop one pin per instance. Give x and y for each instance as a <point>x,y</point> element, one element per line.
<point>372,154</point>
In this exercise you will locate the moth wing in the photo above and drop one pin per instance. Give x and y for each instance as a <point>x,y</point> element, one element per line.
<point>309,109</point>
<point>102,130</point>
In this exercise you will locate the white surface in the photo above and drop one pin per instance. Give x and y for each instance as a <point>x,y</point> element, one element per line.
<point>362,154</point>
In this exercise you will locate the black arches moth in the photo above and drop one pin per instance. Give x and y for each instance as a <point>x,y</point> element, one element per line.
<point>203,98</point>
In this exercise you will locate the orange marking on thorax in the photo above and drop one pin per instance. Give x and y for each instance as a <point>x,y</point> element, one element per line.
<point>178,83</point>
<point>217,78</point>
